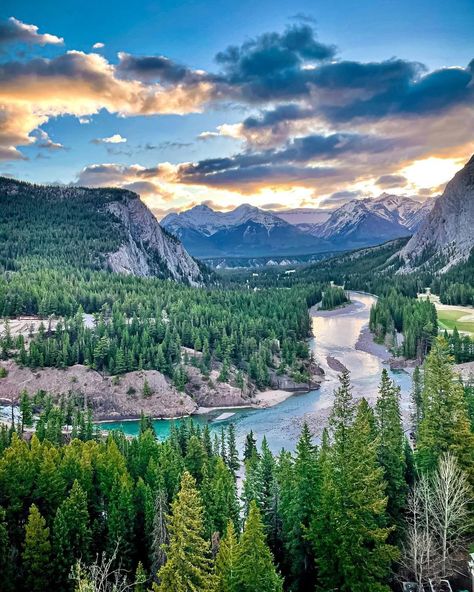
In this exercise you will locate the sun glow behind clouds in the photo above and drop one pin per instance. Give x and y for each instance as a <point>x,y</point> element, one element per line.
<point>432,172</point>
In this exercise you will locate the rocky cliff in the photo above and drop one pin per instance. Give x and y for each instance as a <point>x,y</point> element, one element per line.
<point>69,226</point>
<point>147,248</point>
<point>447,235</point>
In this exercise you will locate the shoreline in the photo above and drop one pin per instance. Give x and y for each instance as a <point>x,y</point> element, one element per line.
<point>263,400</point>
<point>347,308</point>
<point>366,343</point>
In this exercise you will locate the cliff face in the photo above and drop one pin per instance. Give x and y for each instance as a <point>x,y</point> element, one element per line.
<point>89,228</point>
<point>148,249</point>
<point>447,235</point>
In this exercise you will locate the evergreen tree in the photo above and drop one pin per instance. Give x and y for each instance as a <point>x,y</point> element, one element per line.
<point>36,553</point>
<point>445,425</point>
<point>298,509</point>
<point>71,534</point>
<point>417,400</point>
<point>5,555</point>
<point>232,452</point>
<point>188,567</point>
<point>250,448</point>
<point>26,410</point>
<point>226,561</point>
<point>355,506</point>
<point>391,453</point>
<point>254,569</point>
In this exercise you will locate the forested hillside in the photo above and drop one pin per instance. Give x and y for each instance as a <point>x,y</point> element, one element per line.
<point>170,516</point>
<point>57,227</point>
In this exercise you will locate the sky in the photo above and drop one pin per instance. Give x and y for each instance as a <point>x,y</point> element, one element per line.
<point>280,104</point>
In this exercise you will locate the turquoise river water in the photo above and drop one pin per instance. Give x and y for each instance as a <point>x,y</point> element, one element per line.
<point>336,335</point>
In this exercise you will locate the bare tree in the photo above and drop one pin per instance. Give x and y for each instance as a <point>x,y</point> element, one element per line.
<point>420,557</point>
<point>450,500</point>
<point>437,521</point>
<point>102,576</point>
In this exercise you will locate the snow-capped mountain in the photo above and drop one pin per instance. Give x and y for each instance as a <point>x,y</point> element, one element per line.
<point>447,235</point>
<point>370,221</point>
<point>245,231</point>
<point>249,231</point>
<point>208,221</point>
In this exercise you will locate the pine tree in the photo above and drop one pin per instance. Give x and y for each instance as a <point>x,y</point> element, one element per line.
<point>26,410</point>
<point>188,567</point>
<point>232,452</point>
<point>71,534</point>
<point>226,560</point>
<point>147,391</point>
<point>250,449</point>
<point>5,555</point>
<point>391,452</point>
<point>416,400</point>
<point>298,512</point>
<point>445,425</point>
<point>254,568</point>
<point>36,557</point>
<point>354,542</point>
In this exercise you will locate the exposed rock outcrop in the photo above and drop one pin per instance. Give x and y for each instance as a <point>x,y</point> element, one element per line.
<point>447,235</point>
<point>149,249</point>
<point>109,397</point>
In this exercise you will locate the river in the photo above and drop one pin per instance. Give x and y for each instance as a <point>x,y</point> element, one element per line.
<point>335,334</point>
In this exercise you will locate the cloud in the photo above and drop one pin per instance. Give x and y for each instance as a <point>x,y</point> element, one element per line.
<point>339,198</point>
<point>388,181</point>
<point>114,139</point>
<point>280,164</point>
<point>44,141</point>
<point>158,68</point>
<point>208,135</point>
<point>98,45</point>
<point>13,31</point>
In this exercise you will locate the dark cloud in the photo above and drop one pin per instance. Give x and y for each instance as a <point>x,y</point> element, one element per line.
<point>254,175</point>
<point>343,91</point>
<point>415,96</point>
<point>272,64</point>
<point>388,181</point>
<point>13,31</point>
<point>249,166</point>
<point>141,187</point>
<point>303,18</point>
<point>157,68</point>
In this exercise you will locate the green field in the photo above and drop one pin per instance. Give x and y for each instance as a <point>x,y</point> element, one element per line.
<point>448,319</point>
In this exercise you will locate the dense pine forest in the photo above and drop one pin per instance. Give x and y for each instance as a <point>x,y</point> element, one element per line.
<point>356,509</point>
<point>171,515</point>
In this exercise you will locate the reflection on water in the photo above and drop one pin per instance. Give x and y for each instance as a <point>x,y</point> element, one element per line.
<point>335,335</point>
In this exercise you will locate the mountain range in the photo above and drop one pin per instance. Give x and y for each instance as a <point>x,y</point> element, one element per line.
<point>248,231</point>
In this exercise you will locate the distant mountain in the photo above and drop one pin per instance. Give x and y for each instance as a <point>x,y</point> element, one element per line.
<point>447,235</point>
<point>246,231</point>
<point>365,222</point>
<point>249,231</point>
<point>88,228</point>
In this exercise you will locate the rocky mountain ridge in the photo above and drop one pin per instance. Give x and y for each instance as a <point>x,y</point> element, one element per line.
<point>446,236</point>
<point>248,231</point>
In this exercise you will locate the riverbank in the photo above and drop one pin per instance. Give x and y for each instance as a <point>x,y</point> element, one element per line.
<point>347,308</point>
<point>262,400</point>
<point>366,343</point>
